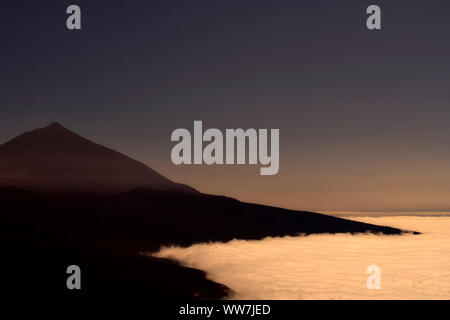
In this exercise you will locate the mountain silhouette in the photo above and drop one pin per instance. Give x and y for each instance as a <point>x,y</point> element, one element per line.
<point>55,159</point>
<point>65,200</point>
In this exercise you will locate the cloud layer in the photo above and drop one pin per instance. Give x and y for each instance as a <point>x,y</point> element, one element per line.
<point>331,266</point>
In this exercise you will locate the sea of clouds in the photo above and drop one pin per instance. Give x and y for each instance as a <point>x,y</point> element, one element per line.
<point>331,266</point>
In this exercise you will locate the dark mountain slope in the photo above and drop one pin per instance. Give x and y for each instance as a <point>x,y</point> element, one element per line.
<point>145,219</point>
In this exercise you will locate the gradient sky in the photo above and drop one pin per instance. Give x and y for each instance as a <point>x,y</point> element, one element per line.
<point>363,115</point>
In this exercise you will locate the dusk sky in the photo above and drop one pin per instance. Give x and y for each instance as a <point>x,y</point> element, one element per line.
<point>364,116</point>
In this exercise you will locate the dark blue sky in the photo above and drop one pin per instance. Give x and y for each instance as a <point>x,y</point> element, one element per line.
<point>363,115</point>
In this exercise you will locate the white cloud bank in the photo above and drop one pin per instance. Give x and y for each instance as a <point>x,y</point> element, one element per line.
<point>331,266</point>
